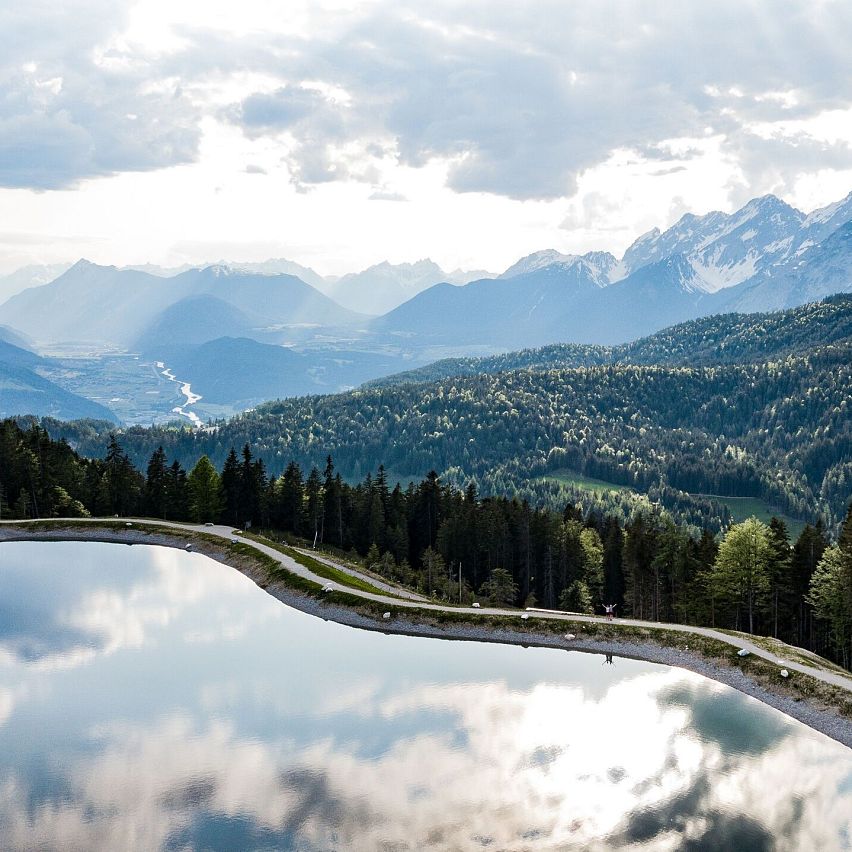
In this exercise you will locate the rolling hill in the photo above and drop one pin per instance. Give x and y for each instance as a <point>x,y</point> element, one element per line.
<point>741,424</point>
<point>718,339</point>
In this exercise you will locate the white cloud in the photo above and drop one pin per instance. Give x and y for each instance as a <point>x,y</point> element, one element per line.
<point>501,120</point>
<point>549,758</point>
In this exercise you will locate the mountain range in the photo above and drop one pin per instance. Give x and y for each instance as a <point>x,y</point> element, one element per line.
<point>374,290</point>
<point>744,406</point>
<point>735,338</point>
<point>766,256</point>
<point>106,305</point>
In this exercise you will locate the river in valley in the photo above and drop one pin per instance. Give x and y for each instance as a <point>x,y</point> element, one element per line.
<point>188,394</point>
<point>155,699</point>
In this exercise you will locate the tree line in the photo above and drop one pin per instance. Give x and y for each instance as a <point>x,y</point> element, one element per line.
<point>455,544</point>
<point>779,431</point>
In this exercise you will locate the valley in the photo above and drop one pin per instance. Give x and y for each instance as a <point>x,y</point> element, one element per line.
<point>713,406</point>
<point>131,386</point>
<point>243,334</point>
<point>426,426</point>
<point>718,418</point>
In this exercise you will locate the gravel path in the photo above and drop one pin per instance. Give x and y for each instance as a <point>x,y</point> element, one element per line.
<point>821,719</point>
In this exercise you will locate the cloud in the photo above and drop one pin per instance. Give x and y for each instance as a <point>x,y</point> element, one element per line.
<point>520,103</point>
<point>386,195</point>
<point>72,110</point>
<point>284,108</point>
<point>775,164</point>
<point>459,761</point>
<point>517,100</point>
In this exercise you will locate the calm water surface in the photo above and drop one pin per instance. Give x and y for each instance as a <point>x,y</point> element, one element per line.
<point>155,699</point>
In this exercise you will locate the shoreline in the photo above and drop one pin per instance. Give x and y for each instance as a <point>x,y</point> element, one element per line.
<point>824,719</point>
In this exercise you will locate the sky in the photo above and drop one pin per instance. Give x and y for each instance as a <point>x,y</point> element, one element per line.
<point>339,134</point>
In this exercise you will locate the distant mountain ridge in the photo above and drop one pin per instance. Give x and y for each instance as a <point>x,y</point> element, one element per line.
<point>24,391</point>
<point>599,266</point>
<point>33,275</point>
<point>814,271</point>
<point>719,339</point>
<point>113,306</point>
<point>765,256</point>
<point>384,286</point>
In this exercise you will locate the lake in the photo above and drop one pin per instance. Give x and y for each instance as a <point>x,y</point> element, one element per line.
<point>155,699</point>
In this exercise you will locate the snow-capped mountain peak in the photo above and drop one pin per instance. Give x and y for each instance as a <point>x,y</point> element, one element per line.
<point>538,260</point>
<point>840,211</point>
<point>724,249</point>
<point>689,233</point>
<point>597,266</point>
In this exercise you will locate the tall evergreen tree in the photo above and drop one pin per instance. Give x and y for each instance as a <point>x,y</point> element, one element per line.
<point>780,579</point>
<point>156,489</point>
<point>807,552</point>
<point>177,493</point>
<point>314,504</point>
<point>121,483</point>
<point>232,488</point>
<point>206,494</point>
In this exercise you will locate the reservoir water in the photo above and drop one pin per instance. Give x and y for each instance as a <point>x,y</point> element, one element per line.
<point>155,699</point>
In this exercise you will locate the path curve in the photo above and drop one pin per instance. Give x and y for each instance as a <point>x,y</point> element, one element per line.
<point>290,564</point>
<point>397,591</point>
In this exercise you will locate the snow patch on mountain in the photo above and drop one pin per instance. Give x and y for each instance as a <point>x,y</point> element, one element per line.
<point>600,267</point>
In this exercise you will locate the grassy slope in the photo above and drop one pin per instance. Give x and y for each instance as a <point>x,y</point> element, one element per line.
<point>739,507</point>
<point>321,569</point>
<point>584,483</point>
<point>746,507</point>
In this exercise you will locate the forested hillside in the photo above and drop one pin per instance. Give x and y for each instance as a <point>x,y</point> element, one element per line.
<point>720,339</point>
<point>779,430</point>
<point>453,544</point>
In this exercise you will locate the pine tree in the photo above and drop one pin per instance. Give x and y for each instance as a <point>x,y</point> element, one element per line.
<point>780,566</point>
<point>807,552</point>
<point>291,500</point>
<point>206,494</point>
<point>232,489</point>
<point>314,503</point>
<point>829,595</point>
<point>500,588</point>
<point>177,493</point>
<point>577,598</point>
<point>122,482</point>
<point>156,496</point>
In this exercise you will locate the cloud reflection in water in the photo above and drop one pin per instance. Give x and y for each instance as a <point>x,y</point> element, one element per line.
<point>290,732</point>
